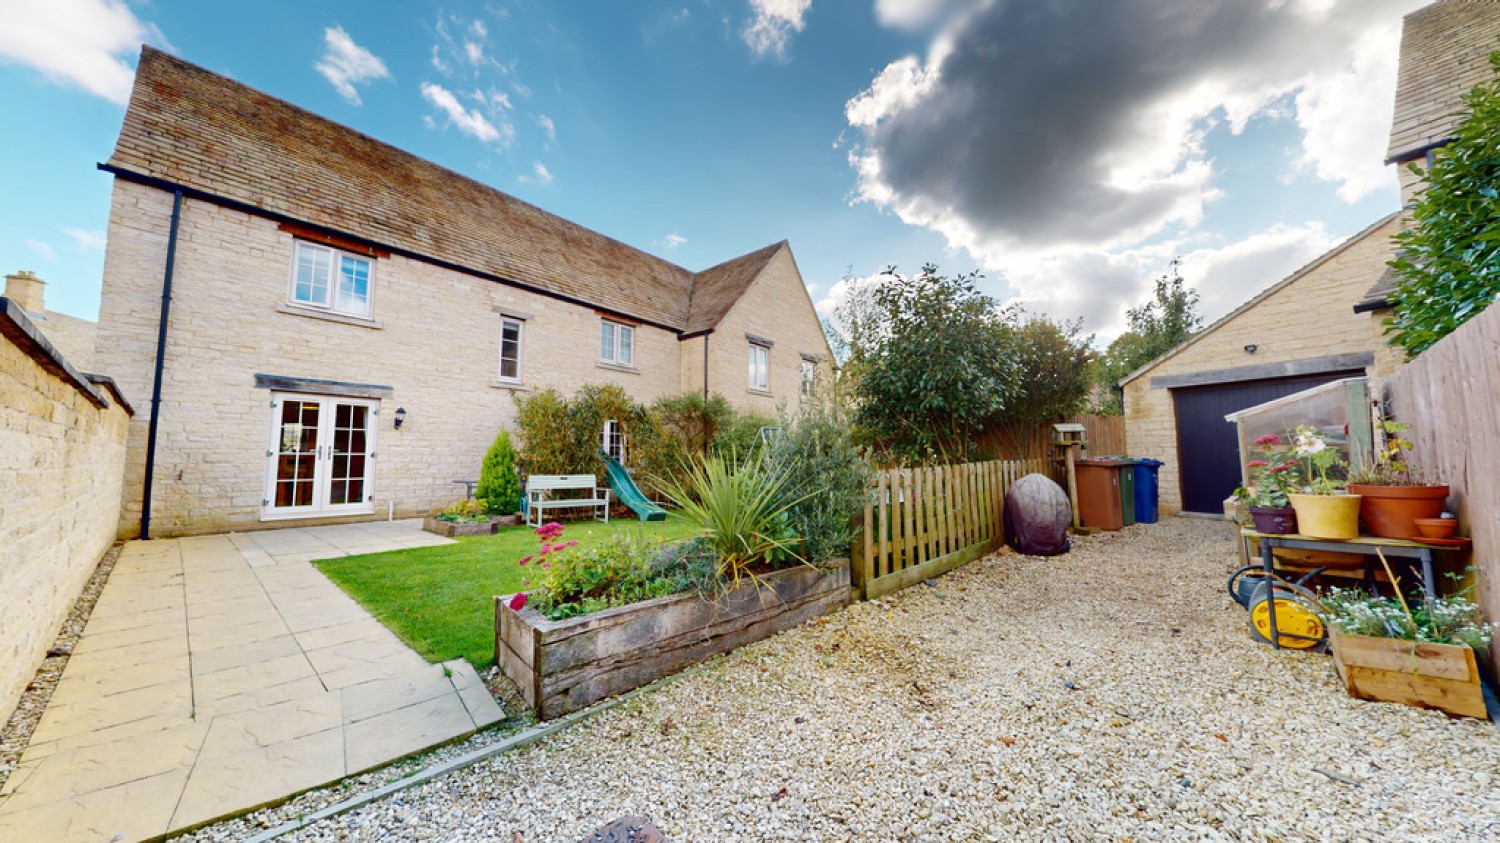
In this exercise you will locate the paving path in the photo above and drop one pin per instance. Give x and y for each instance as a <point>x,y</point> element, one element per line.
<point>219,673</point>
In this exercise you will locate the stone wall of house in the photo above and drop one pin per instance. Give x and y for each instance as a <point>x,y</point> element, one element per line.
<point>71,336</point>
<point>433,339</point>
<point>1310,318</point>
<point>62,454</point>
<point>775,307</point>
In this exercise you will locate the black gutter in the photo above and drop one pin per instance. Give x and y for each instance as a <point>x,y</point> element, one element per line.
<point>254,210</point>
<point>161,360</point>
<point>1417,152</point>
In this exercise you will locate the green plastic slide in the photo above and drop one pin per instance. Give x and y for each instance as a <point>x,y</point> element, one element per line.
<point>628,493</point>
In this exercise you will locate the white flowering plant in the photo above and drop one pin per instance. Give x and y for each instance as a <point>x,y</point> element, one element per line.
<point>1324,469</point>
<point>1444,620</point>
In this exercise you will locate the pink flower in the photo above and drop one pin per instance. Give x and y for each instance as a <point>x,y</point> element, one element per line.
<point>1268,439</point>
<point>1256,464</point>
<point>571,543</point>
<point>525,559</point>
<point>518,602</point>
<point>546,564</point>
<point>546,548</point>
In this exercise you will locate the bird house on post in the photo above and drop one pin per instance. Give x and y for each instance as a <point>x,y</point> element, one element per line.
<point>1069,433</point>
<point>1069,436</point>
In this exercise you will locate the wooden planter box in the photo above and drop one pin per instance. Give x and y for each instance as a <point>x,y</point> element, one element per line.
<point>562,666</point>
<point>1441,676</point>
<point>448,529</point>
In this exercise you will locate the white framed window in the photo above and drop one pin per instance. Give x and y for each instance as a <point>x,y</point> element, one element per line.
<point>760,367</point>
<point>328,279</point>
<point>511,332</point>
<point>612,440</point>
<point>616,343</point>
<point>809,378</point>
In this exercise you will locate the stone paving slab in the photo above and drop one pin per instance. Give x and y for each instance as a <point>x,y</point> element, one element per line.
<point>221,673</point>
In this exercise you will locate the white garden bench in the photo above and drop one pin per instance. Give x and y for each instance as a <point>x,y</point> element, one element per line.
<point>540,486</point>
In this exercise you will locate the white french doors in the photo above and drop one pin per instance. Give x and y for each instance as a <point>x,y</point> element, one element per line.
<point>321,457</point>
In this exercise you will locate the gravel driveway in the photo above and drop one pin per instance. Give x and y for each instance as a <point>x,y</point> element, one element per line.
<point>1112,693</point>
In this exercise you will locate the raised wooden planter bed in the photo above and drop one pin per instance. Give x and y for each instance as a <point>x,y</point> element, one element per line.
<point>562,666</point>
<point>1441,676</point>
<point>449,529</point>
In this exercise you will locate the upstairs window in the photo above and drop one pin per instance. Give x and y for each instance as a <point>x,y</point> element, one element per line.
<point>329,279</point>
<point>616,343</point>
<point>510,348</point>
<point>760,367</point>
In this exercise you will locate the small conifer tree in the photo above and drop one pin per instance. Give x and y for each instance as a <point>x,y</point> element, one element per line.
<point>499,485</point>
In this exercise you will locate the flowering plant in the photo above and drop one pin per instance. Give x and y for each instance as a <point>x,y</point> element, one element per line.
<point>1322,464</point>
<point>1445,620</point>
<point>1273,475</point>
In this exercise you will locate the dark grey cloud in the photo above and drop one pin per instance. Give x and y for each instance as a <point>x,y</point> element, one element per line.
<point>1041,123</point>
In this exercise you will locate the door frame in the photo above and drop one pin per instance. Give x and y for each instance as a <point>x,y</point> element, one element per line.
<point>322,480</point>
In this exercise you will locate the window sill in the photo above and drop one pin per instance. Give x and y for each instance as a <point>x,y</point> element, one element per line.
<point>754,391</point>
<point>514,386</point>
<point>328,316</point>
<point>616,367</point>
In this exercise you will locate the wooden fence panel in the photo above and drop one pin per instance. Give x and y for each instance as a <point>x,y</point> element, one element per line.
<point>1451,397</point>
<point>921,522</point>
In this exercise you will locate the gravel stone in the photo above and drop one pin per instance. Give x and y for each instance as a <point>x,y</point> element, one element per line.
<point>1111,693</point>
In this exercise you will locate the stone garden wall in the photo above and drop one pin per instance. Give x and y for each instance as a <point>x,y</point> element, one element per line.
<point>62,458</point>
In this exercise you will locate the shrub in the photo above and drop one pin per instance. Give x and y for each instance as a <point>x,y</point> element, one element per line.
<point>562,435</point>
<point>740,435</point>
<point>499,485</point>
<point>1450,257</point>
<point>827,478</point>
<point>739,511</point>
<point>465,512</point>
<point>692,420</point>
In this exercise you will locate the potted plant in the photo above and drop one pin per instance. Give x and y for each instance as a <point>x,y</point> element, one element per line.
<point>1392,495</point>
<point>1384,649</point>
<point>1324,509</point>
<point>1273,475</point>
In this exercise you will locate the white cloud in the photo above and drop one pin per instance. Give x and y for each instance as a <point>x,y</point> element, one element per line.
<point>437,61</point>
<point>78,42</point>
<point>43,249</point>
<point>345,64</point>
<point>539,175</point>
<point>1345,116</point>
<point>547,126</point>
<point>672,241</point>
<point>474,52</point>
<point>469,122</point>
<point>910,14</point>
<point>88,241</point>
<point>770,31</point>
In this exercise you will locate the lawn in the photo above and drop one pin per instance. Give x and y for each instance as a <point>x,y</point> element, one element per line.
<point>439,600</point>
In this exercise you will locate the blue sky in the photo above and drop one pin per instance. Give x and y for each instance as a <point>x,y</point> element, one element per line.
<point>1066,153</point>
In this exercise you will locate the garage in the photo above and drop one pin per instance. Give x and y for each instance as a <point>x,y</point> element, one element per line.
<point>1208,452</point>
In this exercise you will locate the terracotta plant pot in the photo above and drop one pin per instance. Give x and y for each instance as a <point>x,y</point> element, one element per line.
<point>1275,522</point>
<point>1327,516</point>
<point>1391,511</point>
<point>1436,528</point>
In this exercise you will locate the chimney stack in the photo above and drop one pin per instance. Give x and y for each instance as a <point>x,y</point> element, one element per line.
<point>26,290</point>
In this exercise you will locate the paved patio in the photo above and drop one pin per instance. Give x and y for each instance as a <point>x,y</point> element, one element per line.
<point>219,673</point>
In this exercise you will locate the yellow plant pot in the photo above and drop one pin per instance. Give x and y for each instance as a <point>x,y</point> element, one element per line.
<point>1327,516</point>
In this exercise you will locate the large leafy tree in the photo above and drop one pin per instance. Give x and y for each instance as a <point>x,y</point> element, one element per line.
<point>1156,327</point>
<point>1053,364</point>
<point>1450,257</point>
<point>931,363</point>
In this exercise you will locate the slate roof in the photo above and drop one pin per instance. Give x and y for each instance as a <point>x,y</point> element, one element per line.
<point>1445,52</point>
<point>1379,294</point>
<point>196,129</point>
<point>718,288</point>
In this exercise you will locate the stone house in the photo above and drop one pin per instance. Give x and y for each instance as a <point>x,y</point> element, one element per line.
<point>347,325</point>
<point>1326,320</point>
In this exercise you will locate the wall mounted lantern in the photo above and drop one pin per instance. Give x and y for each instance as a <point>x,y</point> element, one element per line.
<point>400,417</point>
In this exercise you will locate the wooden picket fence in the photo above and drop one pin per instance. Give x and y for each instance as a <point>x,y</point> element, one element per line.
<point>920,522</point>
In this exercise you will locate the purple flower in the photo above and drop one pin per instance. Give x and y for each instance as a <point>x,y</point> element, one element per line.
<point>518,602</point>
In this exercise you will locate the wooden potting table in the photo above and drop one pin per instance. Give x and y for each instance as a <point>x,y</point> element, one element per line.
<point>1366,545</point>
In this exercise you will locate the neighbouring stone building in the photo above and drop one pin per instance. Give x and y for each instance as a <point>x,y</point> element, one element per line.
<point>72,337</point>
<point>350,324</point>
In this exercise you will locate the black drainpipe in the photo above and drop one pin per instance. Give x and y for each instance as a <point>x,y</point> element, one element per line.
<point>161,359</point>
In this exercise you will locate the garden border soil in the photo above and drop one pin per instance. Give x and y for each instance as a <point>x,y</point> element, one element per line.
<point>562,666</point>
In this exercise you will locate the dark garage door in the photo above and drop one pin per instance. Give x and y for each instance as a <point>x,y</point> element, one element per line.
<point>1208,454</point>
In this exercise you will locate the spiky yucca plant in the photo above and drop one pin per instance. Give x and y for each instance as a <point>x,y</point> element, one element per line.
<point>739,511</point>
